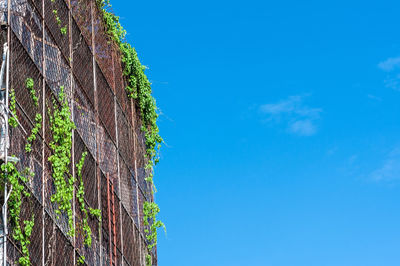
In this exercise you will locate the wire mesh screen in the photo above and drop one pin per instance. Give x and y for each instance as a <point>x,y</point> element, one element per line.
<point>120,85</point>
<point>27,27</point>
<point>50,206</point>
<point>24,68</point>
<point>82,62</point>
<point>104,202</point>
<point>56,19</point>
<point>31,208</point>
<point>117,219</point>
<point>84,118</point>
<point>13,253</point>
<point>31,160</point>
<point>58,73</point>
<point>91,254</point>
<point>130,237</point>
<point>58,249</point>
<point>82,13</point>
<point>103,47</point>
<point>107,127</point>
<point>108,156</point>
<point>106,103</point>
<point>88,172</point>
<point>125,137</point>
<point>140,150</point>
<point>128,191</point>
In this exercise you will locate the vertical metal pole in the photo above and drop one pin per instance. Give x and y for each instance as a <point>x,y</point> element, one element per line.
<point>109,218</point>
<point>5,161</point>
<point>98,159</point>
<point>6,131</point>
<point>72,118</point>
<point>44,136</point>
<point>114,227</point>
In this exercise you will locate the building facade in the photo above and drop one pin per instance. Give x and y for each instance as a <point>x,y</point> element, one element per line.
<point>61,45</point>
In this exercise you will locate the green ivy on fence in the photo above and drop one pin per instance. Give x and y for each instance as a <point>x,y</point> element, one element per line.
<point>139,88</point>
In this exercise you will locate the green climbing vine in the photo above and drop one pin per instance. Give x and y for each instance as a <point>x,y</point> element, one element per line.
<point>12,120</point>
<point>29,83</point>
<point>150,211</point>
<point>63,30</point>
<point>22,229</point>
<point>81,260</point>
<point>35,131</point>
<point>38,117</point>
<point>61,127</point>
<point>139,88</point>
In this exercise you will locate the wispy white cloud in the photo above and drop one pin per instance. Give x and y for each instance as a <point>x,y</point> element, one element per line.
<point>373,97</point>
<point>392,82</point>
<point>389,169</point>
<point>392,67</point>
<point>303,127</point>
<point>390,64</point>
<point>300,119</point>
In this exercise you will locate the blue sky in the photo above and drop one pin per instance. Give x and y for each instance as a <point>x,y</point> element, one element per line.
<point>282,129</point>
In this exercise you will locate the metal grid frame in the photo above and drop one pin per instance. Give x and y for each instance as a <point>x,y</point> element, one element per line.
<point>88,65</point>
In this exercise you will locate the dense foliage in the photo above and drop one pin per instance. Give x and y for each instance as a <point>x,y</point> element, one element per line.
<point>61,127</point>
<point>12,120</point>
<point>139,88</point>
<point>22,229</point>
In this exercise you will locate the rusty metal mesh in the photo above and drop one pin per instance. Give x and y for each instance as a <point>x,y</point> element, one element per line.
<point>32,160</point>
<point>91,253</point>
<point>82,13</point>
<point>120,85</point>
<point>82,62</point>
<point>58,72</point>
<point>30,208</point>
<point>27,27</point>
<point>130,237</point>
<point>58,248</point>
<point>24,68</point>
<point>141,161</point>
<point>51,103</point>
<point>141,215</point>
<point>103,47</point>
<point>13,252</point>
<point>88,172</point>
<point>128,191</point>
<point>49,187</point>
<point>61,8</point>
<point>26,111</point>
<point>105,103</point>
<point>108,156</point>
<point>96,131</point>
<point>104,204</point>
<point>143,249</point>
<point>117,235</point>
<point>105,248</point>
<point>118,223</point>
<point>84,118</point>
<point>125,138</point>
